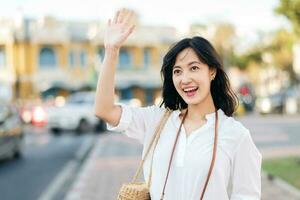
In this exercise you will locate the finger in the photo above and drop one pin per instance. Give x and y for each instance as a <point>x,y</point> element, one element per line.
<point>121,15</point>
<point>116,17</point>
<point>128,22</point>
<point>128,18</point>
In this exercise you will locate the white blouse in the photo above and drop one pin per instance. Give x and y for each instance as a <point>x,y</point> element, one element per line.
<point>236,173</point>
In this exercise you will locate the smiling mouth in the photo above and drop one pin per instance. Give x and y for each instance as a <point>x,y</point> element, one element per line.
<point>190,92</point>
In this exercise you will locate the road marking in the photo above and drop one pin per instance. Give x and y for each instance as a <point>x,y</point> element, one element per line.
<point>68,171</point>
<point>59,180</point>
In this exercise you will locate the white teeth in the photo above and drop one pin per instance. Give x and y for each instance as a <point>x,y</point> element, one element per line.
<point>189,89</point>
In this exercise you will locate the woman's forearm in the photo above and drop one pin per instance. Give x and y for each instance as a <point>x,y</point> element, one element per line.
<point>105,91</point>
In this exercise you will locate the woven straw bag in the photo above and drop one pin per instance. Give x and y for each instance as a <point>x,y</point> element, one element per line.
<point>134,191</point>
<point>140,190</point>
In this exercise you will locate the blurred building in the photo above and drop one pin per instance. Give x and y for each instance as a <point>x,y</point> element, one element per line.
<point>52,57</point>
<point>296,60</point>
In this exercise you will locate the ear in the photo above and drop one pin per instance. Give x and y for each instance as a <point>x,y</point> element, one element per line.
<point>212,73</point>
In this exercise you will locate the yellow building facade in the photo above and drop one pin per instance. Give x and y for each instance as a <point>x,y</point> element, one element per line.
<point>44,57</point>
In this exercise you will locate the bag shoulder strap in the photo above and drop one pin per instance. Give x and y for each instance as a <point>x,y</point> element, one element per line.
<point>155,137</point>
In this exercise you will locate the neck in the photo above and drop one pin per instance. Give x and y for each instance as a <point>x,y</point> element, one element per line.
<point>198,111</point>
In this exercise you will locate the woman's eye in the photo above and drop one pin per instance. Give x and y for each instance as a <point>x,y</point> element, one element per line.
<point>194,68</point>
<point>176,71</point>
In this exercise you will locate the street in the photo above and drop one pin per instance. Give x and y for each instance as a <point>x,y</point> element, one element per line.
<point>274,135</point>
<point>44,157</point>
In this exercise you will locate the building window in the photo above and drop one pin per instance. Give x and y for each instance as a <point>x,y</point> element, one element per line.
<point>47,57</point>
<point>124,59</point>
<point>71,58</point>
<point>149,96</point>
<point>126,94</point>
<point>146,57</point>
<point>2,58</point>
<point>83,60</point>
<point>100,54</point>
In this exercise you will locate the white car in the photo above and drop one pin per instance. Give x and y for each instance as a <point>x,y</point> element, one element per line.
<point>77,114</point>
<point>286,101</point>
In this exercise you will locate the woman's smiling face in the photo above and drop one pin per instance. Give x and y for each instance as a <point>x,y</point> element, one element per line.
<point>191,77</point>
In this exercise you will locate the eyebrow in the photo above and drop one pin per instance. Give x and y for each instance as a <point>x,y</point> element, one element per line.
<point>193,62</point>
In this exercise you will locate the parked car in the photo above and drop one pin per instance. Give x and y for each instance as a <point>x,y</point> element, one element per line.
<point>11,132</point>
<point>77,114</point>
<point>286,101</point>
<point>270,104</point>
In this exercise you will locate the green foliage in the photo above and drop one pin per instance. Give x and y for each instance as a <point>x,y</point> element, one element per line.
<point>281,48</point>
<point>287,169</point>
<point>252,56</point>
<point>291,10</point>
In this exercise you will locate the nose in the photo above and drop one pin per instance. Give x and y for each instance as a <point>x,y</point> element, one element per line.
<point>186,78</point>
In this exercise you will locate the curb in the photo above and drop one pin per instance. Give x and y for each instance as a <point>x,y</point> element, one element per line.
<point>281,184</point>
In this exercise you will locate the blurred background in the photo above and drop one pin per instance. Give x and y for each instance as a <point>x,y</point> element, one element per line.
<point>50,57</point>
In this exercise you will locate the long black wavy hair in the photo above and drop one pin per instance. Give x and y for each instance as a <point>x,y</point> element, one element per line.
<point>223,96</point>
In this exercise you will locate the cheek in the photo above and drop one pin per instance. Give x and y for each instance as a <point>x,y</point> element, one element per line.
<point>207,86</point>
<point>204,84</point>
<point>176,84</point>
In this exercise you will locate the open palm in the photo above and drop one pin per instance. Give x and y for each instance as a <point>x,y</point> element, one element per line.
<point>118,29</point>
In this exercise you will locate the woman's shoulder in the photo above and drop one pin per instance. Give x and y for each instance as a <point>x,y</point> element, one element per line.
<point>234,135</point>
<point>235,125</point>
<point>153,110</point>
<point>233,130</point>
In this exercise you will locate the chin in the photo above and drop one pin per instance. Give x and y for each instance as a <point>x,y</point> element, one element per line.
<point>198,99</point>
<point>192,101</point>
<point>195,100</point>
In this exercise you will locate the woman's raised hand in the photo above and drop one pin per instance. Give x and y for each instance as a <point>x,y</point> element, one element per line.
<point>118,29</point>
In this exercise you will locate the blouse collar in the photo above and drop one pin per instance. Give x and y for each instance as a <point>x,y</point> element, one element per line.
<point>210,117</point>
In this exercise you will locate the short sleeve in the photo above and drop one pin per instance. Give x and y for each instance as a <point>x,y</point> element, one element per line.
<point>246,172</point>
<point>135,122</point>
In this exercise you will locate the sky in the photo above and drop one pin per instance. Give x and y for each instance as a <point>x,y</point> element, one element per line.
<point>248,16</point>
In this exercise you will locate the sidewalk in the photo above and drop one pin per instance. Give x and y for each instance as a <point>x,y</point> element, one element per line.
<point>113,161</point>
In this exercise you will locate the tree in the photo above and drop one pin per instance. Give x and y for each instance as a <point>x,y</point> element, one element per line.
<point>291,10</point>
<point>281,48</point>
<point>253,56</point>
<point>223,41</point>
